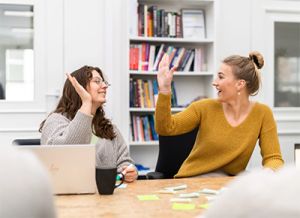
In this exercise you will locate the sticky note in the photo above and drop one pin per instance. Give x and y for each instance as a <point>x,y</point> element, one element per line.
<point>204,206</point>
<point>182,206</point>
<point>148,197</point>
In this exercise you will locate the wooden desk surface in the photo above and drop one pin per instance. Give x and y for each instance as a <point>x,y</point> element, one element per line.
<point>124,202</point>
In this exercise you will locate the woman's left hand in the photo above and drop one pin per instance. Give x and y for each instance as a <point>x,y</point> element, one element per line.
<point>130,173</point>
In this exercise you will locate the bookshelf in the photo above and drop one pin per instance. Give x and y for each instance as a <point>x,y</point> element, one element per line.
<point>190,81</point>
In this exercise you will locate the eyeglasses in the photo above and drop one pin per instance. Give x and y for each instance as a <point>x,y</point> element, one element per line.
<point>100,82</point>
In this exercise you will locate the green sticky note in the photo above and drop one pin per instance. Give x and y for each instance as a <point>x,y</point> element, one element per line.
<point>181,206</point>
<point>148,197</point>
<point>204,206</point>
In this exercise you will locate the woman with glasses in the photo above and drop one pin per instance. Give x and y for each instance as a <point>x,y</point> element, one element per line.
<point>79,115</point>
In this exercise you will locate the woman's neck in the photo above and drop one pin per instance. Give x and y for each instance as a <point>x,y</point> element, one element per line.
<point>94,108</point>
<point>236,109</point>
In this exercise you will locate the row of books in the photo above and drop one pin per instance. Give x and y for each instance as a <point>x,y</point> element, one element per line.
<point>146,57</point>
<point>142,128</point>
<point>144,93</point>
<point>154,22</point>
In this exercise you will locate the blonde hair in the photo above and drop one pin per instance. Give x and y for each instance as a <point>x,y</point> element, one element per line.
<point>248,69</point>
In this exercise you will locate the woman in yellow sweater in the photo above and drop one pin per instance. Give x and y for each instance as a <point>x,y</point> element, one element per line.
<point>229,126</point>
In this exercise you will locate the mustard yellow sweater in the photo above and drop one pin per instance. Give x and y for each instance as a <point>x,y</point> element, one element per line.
<point>218,145</point>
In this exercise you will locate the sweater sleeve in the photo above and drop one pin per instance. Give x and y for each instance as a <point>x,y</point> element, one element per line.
<point>112,153</point>
<point>168,124</point>
<point>269,143</point>
<point>60,130</point>
<point>123,158</point>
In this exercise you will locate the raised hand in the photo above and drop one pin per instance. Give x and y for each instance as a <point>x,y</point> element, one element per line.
<point>86,98</point>
<point>165,75</point>
<point>83,94</point>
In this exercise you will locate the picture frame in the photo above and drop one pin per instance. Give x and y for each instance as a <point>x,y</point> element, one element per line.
<point>193,23</point>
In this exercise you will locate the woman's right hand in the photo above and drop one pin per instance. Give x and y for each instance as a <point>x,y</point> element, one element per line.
<point>86,98</point>
<point>83,94</point>
<point>165,75</point>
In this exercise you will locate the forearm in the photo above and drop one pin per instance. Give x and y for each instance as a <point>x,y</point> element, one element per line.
<point>270,150</point>
<point>123,158</point>
<point>163,114</point>
<point>179,123</point>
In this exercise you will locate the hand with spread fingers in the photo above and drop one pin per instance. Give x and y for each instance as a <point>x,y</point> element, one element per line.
<point>86,98</point>
<point>165,75</point>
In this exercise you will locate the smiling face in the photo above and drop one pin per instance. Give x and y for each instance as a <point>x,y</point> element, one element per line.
<point>97,88</point>
<point>226,84</point>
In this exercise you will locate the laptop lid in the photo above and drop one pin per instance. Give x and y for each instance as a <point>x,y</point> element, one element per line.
<point>71,167</point>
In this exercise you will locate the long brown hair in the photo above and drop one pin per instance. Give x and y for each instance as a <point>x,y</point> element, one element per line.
<point>70,102</point>
<point>247,68</point>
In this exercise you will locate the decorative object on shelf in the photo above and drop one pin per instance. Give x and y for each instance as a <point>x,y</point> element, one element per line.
<point>193,23</point>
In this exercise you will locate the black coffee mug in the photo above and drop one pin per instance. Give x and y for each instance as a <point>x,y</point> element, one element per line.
<point>106,180</point>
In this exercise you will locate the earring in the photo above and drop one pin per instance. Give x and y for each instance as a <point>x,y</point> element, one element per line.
<point>239,93</point>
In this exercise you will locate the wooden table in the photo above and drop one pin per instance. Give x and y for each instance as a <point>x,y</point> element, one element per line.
<point>124,202</point>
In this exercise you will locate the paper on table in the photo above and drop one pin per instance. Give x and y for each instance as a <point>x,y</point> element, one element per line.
<point>181,206</point>
<point>189,195</point>
<point>122,186</point>
<point>176,188</point>
<point>147,197</point>
<point>204,206</point>
<point>209,191</point>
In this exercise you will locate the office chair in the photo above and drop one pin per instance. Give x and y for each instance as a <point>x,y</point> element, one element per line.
<point>26,142</point>
<point>173,150</point>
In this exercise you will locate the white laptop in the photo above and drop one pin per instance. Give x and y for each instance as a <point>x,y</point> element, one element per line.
<point>71,167</point>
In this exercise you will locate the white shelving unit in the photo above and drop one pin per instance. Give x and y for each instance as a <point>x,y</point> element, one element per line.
<point>189,85</point>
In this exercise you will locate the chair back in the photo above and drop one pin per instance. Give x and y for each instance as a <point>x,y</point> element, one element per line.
<point>26,142</point>
<point>173,150</point>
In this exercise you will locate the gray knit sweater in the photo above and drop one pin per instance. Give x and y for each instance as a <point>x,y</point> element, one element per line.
<point>59,130</point>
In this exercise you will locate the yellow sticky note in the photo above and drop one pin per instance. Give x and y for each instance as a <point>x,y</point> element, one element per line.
<point>204,206</point>
<point>148,197</point>
<point>180,206</point>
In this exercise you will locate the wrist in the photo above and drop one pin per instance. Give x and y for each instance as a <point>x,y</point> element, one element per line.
<point>165,91</point>
<point>86,108</point>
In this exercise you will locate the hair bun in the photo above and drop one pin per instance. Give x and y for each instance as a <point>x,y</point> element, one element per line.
<point>257,59</point>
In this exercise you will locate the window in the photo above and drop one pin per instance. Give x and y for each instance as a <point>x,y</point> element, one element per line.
<point>287,64</point>
<point>16,52</point>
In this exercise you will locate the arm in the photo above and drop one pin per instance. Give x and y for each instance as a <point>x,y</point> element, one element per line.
<point>124,162</point>
<point>182,122</point>
<point>165,123</point>
<point>269,143</point>
<point>60,130</point>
